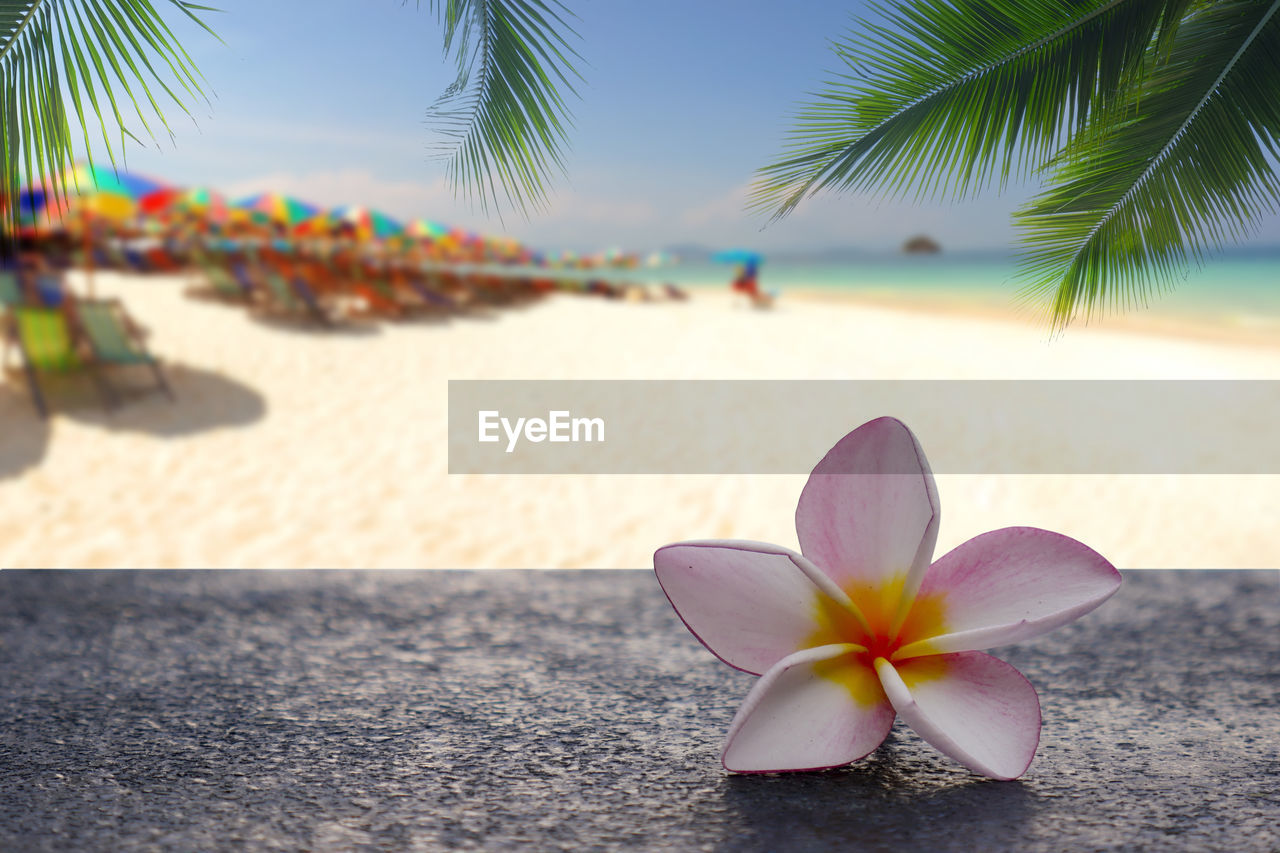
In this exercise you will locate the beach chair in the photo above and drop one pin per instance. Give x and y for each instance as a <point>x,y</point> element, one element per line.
<point>44,339</point>
<point>135,260</point>
<point>108,258</point>
<point>294,296</point>
<point>161,259</point>
<point>224,284</point>
<point>244,278</point>
<point>380,297</point>
<point>430,296</point>
<point>113,340</point>
<point>51,289</point>
<point>10,289</point>
<point>11,296</point>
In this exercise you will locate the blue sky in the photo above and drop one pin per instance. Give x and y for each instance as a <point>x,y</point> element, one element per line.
<point>682,101</point>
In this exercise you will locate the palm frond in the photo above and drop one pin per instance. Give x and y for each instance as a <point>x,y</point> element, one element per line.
<point>939,96</point>
<point>1189,165</point>
<point>105,52</point>
<point>504,116</point>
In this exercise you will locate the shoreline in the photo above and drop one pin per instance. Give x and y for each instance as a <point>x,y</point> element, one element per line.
<point>1140,322</point>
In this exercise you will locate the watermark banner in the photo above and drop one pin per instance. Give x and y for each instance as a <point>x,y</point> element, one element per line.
<point>785,427</point>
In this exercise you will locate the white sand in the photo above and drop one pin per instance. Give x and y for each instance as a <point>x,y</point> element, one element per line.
<point>293,448</point>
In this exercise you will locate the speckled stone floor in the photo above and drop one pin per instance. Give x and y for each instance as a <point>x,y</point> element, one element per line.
<point>572,710</point>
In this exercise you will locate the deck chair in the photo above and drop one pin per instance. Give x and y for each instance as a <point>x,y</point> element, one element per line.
<point>381,298</point>
<point>113,340</point>
<point>223,283</point>
<point>295,296</point>
<point>245,279</point>
<point>10,297</point>
<point>50,288</point>
<point>430,297</point>
<point>136,260</point>
<point>44,339</point>
<point>10,289</point>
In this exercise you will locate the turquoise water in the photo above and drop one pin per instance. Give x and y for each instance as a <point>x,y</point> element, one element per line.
<point>1241,288</point>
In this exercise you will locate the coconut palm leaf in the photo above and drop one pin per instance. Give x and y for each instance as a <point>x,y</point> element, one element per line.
<point>939,96</point>
<point>504,116</point>
<point>106,54</point>
<point>1190,164</point>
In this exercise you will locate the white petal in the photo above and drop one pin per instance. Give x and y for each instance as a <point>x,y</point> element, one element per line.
<point>815,709</point>
<point>1003,587</point>
<point>975,708</point>
<point>869,514</point>
<point>750,603</point>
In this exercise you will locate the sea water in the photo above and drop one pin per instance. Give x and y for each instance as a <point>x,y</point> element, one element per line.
<point>1233,289</point>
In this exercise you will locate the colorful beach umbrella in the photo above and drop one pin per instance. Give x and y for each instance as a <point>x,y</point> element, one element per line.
<point>428,235</point>
<point>160,202</point>
<point>201,199</point>
<point>33,203</point>
<point>383,225</point>
<point>321,223</point>
<point>205,202</point>
<point>738,256</point>
<point>425,229</point>
<point>505,249</point>
<point>95,190</point>
<point>276,208</point>
<point>87,194</point>
<point>368,224</point>
<point>316,226</point>
<point>198,202</point>
<point>84,179</point>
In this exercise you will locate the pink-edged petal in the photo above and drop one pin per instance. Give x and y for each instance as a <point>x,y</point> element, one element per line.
<point>815,709</point>
<point>975,708</point>
<point>869,514</point>
<point>750,603</point>
<point>1005,586</point>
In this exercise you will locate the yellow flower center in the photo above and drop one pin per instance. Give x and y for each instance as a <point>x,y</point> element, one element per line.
<point>882,630</point>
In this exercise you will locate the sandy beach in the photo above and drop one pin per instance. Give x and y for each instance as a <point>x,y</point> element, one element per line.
<point>291,447</point>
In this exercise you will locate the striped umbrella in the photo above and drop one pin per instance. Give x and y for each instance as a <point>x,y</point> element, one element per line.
<point>93,190</point>
<point>41,205</point>
<point>199,202</point>
<point>317,225</point>
<point>160,202</point>
<point>101,180</point>
<point>92,193</point>
<point>425,229</point>
<point>276,208</point>
<point>206,203</point>
<point>368,224</point>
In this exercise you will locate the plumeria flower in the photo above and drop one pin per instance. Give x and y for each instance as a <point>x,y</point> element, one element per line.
<point>861,626</point>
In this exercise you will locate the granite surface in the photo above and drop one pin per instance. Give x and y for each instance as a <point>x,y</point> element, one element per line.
<point>572,710</point>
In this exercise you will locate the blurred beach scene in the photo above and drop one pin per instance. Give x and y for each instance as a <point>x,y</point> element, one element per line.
<point>234,348</point>
<point>1232,296</point>
<point>295,444</point>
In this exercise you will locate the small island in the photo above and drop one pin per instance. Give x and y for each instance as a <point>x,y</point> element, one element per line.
<point>921,245</point>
